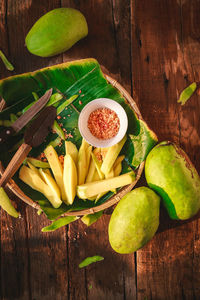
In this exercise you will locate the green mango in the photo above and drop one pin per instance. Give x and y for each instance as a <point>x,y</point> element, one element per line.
<point>56,31</point>
<point>170,173</point>
<point>134,221</point>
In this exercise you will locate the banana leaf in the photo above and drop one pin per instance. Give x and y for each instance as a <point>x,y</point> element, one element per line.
<point>83,78</point>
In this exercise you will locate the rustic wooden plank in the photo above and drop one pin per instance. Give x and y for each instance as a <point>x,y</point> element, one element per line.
<point>4,37</point>
<point>190,123</point>
<point>108,41</point>
<point>37,261</point>
<point>160,69</point>
<point>14,252</point>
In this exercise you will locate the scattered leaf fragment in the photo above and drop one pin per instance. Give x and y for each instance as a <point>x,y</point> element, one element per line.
<point>90,287</point>
<point>7,64</point>
<point>59,223</point>
<point>89,260</point>
<point>187,93</point>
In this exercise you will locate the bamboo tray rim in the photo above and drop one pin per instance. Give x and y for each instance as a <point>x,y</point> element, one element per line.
<point>14,188</point>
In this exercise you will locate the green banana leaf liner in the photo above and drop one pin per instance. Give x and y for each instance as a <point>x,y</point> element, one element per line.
<point>85,79</point>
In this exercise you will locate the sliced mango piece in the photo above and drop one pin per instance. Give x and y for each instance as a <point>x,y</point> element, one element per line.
<point>118,169</point>
<point>96,176</point>
<point>97,163</point>
<point>6,204</point>
<point>47,171</point>
<point>82,162</point>
<point>90,189</point>
<point>71,149</point>
<point>103,152</point>
<point>91,172</point>
<point>111,156</point>
<point>88,157</point>
<point>38,163</point>
<point>118,160</point>
<point>56,168</point>
<point>70,178</point>
<point>34,169</point>
<point>48,179</point>
<point>31,178</point>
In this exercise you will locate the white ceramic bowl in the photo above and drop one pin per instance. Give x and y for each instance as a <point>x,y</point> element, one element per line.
<point>101,103</point>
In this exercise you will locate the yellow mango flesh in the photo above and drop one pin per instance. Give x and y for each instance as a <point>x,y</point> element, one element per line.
<point>71,149</point>
<point>82,164</point>
<point>69,178</point>
<point>31,178</point>
<point>90,189</point>
<point>48,179</point>
<point>56,168</point>
<point>111,156</point>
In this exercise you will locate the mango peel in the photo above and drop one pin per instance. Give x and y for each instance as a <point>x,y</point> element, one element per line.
<point>56,31</point>
<point>171,174</point>
<point>134,221</point>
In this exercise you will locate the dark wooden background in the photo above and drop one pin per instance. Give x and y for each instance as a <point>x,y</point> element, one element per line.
<point>152,47</point>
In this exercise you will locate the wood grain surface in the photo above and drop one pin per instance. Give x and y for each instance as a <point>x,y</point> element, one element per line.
<point>153,49</point>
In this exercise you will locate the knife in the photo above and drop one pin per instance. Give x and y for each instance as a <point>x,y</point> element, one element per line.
<point>25,118</point>
<point>33,137</point>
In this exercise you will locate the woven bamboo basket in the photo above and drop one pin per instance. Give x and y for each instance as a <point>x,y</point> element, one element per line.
<point>12,186</point>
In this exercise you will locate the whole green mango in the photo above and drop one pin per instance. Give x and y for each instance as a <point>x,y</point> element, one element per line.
<point>170,173</point>
<point>56,32</point>
<point>134,221</point>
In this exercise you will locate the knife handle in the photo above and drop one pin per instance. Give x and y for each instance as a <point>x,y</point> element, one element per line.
<point>5,134</point>
<point>15,163</point>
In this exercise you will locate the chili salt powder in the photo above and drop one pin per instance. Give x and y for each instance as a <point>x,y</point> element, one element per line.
<point>103,123</point>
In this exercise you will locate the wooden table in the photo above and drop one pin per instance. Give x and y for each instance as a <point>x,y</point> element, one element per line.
<point>152,48</point>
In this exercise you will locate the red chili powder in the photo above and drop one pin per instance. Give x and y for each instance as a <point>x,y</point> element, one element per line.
<point>103,123</point>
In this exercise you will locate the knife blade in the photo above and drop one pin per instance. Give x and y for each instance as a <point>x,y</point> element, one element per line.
<point>25,118</point>
<point>33,137</point>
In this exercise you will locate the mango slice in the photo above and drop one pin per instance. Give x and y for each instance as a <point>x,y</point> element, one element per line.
<point>118,169</point>
<point>71,149</point>
<point>82,162</point>
<point>69,178</point>
<point>38,163</point>
<point>31,178</point>
<point>6,204</point>
<point>111,156</point>
<point>48,179</point>
<point>56,168</point>
<point>91,172</point>
<point>90,189</point>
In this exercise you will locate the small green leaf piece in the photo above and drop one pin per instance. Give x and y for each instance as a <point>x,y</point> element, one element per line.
<point>35,96</point>
<point>59,223</point>
<point>89,260</point>
<point>187,93</point>
<point>92,218</point>
<point>54,99</point>
<point>66,103</point>
<point>7,64</point>
<point>56,127</point>
<point>55,142</point>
